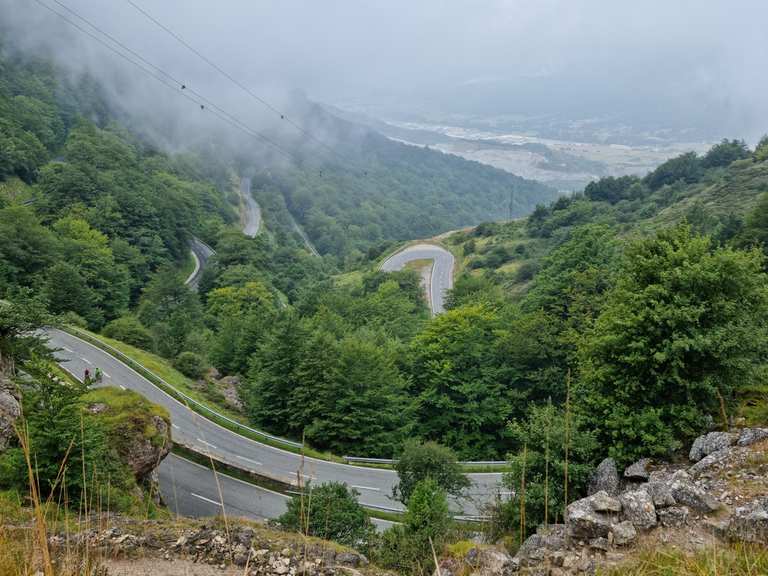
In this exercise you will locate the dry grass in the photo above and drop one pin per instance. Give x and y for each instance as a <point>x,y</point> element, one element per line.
<point>726,560</point>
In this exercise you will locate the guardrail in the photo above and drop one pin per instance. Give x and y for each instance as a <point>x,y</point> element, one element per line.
<point>357,460</point>
<point>177,394</point>
<point>222,419</point>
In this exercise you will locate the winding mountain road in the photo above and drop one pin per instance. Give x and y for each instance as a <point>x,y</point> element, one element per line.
<point>252,216</point>
<point>204,436</point>
<point>201,252</point>
<point>190,489</point>
<point>441,276</point>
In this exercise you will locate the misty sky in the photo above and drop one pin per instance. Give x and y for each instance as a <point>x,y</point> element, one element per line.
<point>654,61</point>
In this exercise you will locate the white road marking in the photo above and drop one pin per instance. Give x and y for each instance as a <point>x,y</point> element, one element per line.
<point>366,488</point>
<point>67,349</point>
<point>207,499</point>
<point>176,426</point>
<point>207,443</point>
<point>123,387</point>
<point>86,361</point>
<point>106,374</point>
<point>248,460</point>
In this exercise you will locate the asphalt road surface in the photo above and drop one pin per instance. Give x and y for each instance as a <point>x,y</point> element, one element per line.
<point>442,270</point>
<point>190,489</point>
<point>200,252</point>
<point>252,209</point>
<point>204,436</point>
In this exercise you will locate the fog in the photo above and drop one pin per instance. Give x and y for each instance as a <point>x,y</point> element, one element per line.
<point>669,63</point>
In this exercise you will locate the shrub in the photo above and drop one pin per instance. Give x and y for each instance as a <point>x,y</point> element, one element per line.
<point>190,364</point>
<point>420,461</point>
<point>330,511</point>
<point>128,329</point>
<point>408,547</point>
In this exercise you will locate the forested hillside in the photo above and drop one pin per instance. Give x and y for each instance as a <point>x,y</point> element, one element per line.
<point>374,191</point>
<point>89,213</point>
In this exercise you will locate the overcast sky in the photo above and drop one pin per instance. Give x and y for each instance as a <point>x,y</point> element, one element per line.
<point>663,61</point>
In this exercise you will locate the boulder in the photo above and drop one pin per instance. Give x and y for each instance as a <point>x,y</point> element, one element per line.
<point>624,533</point>
<point>638,471</point>
<point>143,454</point>
<point>749,523</point>
<point>687,493</point>
<point>492,562</point>
<point>660,493</point>
<point>708,443</point>
<point>673,516</point>
<point>550,538</point>
<point>717,457</point>
<point>605,478</point>
<point>585,522</point>
<point>637,507</point>
<point>750,436</point>
<point>602,502</point>
<point>10,410</point>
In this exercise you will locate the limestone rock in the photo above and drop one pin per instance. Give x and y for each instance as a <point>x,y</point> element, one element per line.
<point>602,502</point>
<point>708,443</point>
<point>660,493</point>
<point>493,562</point>
<point>673,517</point>
<point>710,460</point>
<point>637,507</point>
<point>585,522</point>
<point>605,478</point>
<point>749,523</point>
<point>9,412</point>
<point>142,454</point>
<point>686,493</point>
<point>750,436</point>
<point>638,471</point>
<point>624,533</point>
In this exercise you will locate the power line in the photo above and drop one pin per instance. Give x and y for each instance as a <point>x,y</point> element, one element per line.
<point>236,82</point>
<point>163,77</point>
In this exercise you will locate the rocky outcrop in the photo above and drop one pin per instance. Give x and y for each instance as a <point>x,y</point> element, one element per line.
<point>724,494</point>
<point>139,430</point>
<point>605,478</point>
<point>637,508</point>
<point>749,436</point>
<point>749,523</point>
<point>143,453</point>
<point>10,410</point>
<point>708,443</point>
<point>638,472</point>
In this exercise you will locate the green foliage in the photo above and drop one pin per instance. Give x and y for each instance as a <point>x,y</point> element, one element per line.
<point>57,439</point>
<point>613,190</point>
<point>410,547</point>
<point>761,150</point>
<point>19,319</point>
<point>724,153</point>
<point>190,364</point>
<point>427,461</point>
<point>130,330</point>
<point>127,418</point>
<point>686,167</point>
<point>540,459</point>
<point>331,512</point>
<point>171,311</point>
<point>461,401</point>
<point>684,323</point>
